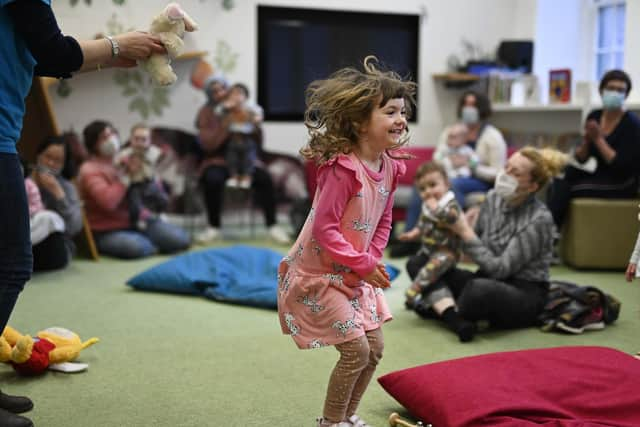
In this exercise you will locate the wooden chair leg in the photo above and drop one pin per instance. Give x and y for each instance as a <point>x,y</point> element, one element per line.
<point>85,240</point>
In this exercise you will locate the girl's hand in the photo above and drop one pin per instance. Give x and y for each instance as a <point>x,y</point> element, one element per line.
<point>377,278</point>
<point>630,274</point>
<point>412,234</point>
<point>383,269</point>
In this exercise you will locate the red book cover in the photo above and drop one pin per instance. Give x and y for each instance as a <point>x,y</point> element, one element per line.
<point>560,86</point>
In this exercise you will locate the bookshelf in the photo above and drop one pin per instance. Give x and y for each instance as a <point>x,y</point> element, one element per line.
<point>536,108</point>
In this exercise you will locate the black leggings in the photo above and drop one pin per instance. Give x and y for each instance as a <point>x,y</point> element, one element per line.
<point>51,254</point>
<point>577,183</point>
<point>213,183</point>
<point>505,304</point>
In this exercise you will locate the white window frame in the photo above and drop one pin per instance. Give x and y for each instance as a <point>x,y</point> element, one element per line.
<point>596,50</point>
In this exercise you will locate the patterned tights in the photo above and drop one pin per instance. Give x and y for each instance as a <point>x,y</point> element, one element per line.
<point>352,374</point>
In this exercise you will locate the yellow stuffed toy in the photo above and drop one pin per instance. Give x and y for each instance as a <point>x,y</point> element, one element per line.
<point>53,348</point>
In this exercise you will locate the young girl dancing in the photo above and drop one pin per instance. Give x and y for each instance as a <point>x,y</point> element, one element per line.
<point>330,283</point>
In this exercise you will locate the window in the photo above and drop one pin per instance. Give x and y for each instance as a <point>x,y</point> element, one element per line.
<point>609,46</point>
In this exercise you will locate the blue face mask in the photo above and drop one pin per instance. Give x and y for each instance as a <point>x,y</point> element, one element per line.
<point>612,100</point>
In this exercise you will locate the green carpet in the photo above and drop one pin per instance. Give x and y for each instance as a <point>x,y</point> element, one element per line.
<point>166,360</point>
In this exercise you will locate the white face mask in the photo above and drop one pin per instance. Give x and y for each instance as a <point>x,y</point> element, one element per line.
<point>469,115</point>
<point>505,185</point>
<point>110,147</point>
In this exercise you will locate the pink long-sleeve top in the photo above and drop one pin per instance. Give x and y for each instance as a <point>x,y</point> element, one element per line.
<point>339,187</point>
<point>103,194</point>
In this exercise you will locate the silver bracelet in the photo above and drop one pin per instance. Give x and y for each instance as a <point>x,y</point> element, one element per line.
<point>115,47</point>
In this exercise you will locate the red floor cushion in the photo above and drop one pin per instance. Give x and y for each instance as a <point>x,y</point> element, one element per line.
<point>555,387</point>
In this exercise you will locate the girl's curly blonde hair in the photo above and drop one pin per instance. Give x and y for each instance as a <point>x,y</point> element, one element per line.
<point>337,107</point>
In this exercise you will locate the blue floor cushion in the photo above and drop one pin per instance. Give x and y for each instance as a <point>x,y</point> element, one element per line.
<point>238,274</point>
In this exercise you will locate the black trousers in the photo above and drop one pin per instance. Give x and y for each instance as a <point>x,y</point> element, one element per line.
<point>213,184</point>
<point>510,303</point>
<point>577,183</point>
<point>52,253</point>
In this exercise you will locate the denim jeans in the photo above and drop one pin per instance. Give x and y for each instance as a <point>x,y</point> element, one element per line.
<point>16,260</point>
<point>159,236</point>
<point>464,185</point>
<point>460,187</point>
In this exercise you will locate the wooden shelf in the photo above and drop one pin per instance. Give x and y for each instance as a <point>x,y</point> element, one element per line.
<point>456,77</point>
<point>196,54</point>
<point>507,108</point>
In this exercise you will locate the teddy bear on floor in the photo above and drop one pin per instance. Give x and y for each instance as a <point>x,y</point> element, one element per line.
<point>170,26</point>
<point>53,348</point>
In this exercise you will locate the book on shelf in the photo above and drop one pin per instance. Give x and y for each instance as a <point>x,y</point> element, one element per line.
<point>560,86</point>
<point>512,87</point>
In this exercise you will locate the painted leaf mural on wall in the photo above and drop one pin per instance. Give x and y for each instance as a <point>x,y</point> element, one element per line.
<point>224,58</point>
<point>146,99</point>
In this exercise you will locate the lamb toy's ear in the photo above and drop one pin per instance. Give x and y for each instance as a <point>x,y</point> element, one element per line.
<point>189,24</point>
<point>175,12</point>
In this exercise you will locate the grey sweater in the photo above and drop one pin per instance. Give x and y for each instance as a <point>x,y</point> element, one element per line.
<point>513,243</point>
<point>69,208</point>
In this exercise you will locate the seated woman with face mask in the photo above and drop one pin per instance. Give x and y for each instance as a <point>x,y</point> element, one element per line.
<point>104,194</point>
<point>59,212</point>
<point>611,141</point>
<point>512,246</point>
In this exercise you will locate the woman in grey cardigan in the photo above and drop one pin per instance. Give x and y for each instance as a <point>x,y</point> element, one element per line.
<point>512,246</point>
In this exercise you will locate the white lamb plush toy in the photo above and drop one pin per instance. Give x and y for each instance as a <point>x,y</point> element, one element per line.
<point>170,26</point>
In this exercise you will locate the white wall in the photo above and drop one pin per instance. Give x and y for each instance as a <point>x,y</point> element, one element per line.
<point>632,47</point>
<point>558,34</point>
<point>95,95</point>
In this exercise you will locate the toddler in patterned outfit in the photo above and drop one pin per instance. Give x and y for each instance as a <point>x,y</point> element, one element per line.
<point>440,246</point>
<point>330,283</point>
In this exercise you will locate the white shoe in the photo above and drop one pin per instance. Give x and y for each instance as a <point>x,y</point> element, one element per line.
<point>356,421</point>
<point>232,183</point>
<point>209,234</point>
<point>279,235</point>
<point>321,423</point>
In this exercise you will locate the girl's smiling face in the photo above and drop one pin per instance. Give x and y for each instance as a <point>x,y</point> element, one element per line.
<point>386,125</point>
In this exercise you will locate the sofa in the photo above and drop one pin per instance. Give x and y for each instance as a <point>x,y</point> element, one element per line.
<point>179,170</point>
